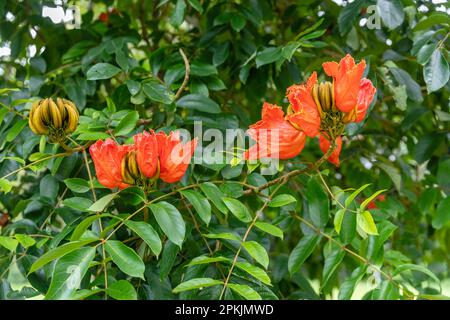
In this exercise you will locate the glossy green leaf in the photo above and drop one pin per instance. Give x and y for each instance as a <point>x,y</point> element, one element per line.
<point>122,290</point>
<point>68,273</point>
<point>302,251</point>
<point>200,204</point>
<point>196,283</point>
<point>58,252</point>
<point>125,258</point>
<point>258,252</point>
<point>238,209</point>
<point>147,233</point>
<point>170,221</point>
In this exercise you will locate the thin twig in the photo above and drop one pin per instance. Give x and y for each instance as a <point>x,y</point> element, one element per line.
<point>294,173</point>
<point>186,75</point>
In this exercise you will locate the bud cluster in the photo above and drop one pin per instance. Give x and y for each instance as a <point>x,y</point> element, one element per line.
<point>53,119</point>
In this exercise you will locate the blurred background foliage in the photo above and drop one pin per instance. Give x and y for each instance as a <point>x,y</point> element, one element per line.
<point>120,64</point>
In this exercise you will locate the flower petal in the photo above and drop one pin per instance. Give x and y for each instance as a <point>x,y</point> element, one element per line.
<point>146,147</point>
<point>275,137</point>
<point>365,97</point>
<point>346,79</point>
<point>325,144</point>
<point>174,156</point>
<point>306,115</point>
<point>107,157</point>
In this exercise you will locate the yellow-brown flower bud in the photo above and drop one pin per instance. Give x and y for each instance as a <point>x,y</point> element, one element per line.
<point>323,95</point>
<point>55,119</point>
<point>130,169</point>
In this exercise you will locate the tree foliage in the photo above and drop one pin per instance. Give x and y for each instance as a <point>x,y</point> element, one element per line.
<point>225,231</point>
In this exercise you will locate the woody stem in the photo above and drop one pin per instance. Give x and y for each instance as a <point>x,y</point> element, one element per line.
<point>294,173</point>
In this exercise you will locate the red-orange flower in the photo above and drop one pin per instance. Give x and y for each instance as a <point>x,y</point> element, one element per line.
<point>352,94</point>
<point>107,157</point>
<point>174,156</point>
<point>305,114</point>
<point>365,96</point>
<point>325,144</point>
<point>146,147</point>
<point>275,137</point>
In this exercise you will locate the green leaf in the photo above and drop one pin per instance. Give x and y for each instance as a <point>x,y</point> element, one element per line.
<point>133,86</point>
<point>25,240</point>
<point>93,136</point>
<point>412,87</point>
<point>206,260</point>
<point>110,105</point>
<point>348,286</point>
<point>302,251</point>
<point>196,5</point>
<point>332,261</point>
<point>354,194</point>
<point>214,194</point>
<point>442,216</point>
<point>200,204</point>
<point>127,124</point>
<point>432,20</point>
<point>196,283</point>
<point>348,15</point>
<point>170,221</point>
<point>102,71</point>
<point>9,243</point>
<point>199,102</point>
<point>245,291</point>
<point>281,200</point>
<point>125,258</point>
<point>238,209</point>
<point>338,218</point>
<point>77,185</point>
<point>414,267</point>
<point>102,203</point>
<point>58,252</point>
<point>122,290</point>
<point>269,228</point>
<point>77,203</point>
<point>169,255</point>
<point>237,22</point>
<point>68,273</point>
<point>364,204</point>
<point>254,271</point>
<point>318,203</point>
<point>391,12</point>
<point>177,16</point>
<point>147,233</point>
<point>224,235</point>
<point>348,227</point>
<point>393,173</point>
<point>366,223</point>
<point>268,55</point>
<point>158,92</point>
<point>81,228</point>
<point>424,54</point>
<point>5,185</point>
<point>16,129</point>
<point>258,252</point>
<point>443,173</point>
<point>203,69</point>
<point>436,72</point>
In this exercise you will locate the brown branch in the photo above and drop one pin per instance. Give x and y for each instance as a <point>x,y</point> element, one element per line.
<point>294,173</point>
<point>186,75</point>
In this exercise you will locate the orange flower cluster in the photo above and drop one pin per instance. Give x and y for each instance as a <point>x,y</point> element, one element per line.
<point>315,109</point>
<point>152,156</point>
